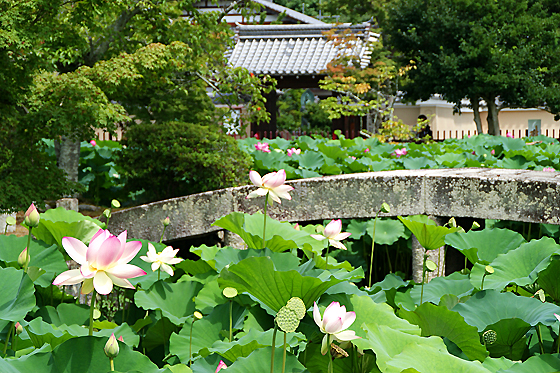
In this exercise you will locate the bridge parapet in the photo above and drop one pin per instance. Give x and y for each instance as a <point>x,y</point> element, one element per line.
<point>520,195</point>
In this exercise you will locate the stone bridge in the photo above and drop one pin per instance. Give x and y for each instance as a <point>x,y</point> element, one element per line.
<point>521,195</point>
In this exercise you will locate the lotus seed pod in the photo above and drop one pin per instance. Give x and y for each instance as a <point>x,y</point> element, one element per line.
<point>385,208</point>
<point>452,223</point>
<point>297,305</point>
<point>107,213</point>
<point>490,336</point>
<point>287,320</point>
<point>115,204</point>
<point>197,315</point>
<point>230,292</point>
<point>10,220</point>
<point>489,270</point>
<point>475,225</point>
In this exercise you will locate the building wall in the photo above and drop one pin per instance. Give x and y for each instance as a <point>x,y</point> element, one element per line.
<point>445,123</point>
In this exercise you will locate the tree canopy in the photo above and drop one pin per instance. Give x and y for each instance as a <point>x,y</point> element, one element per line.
<point>503,52</point>
<point>71,67</point>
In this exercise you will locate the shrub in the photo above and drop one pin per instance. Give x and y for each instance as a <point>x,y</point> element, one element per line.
<point>176,158</point>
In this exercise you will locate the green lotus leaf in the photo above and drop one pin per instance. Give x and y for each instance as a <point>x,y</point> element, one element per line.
<point>511,342</point>
<point>427,359</point>
<point>41,332</point>
<point>549,280</point>
<point>485,246</point>
<point>495,365</point>
<point>17,294</point>
<point>258,277</point>
<point>387,231</point>
<point>227,256</point>
<point>311,160</point>
<point>279,236</point>
<point>429,235</point>
<point>59,222</point>
<point>536,364</point>
<point>454,284</point>
<point>519,266</point>
<point>175,300</point>
<point>65,313</point>
<point>490,306</point>
<point>44,256</point>
<point>258,359</point>
<point>81,354</point>
<point>158,333</point>
<point>439,321</point>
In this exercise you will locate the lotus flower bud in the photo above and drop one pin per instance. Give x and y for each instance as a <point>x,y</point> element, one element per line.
<point>19,328</point>
<point>31,217</point>
<point>93,143</point>
<point>107,213</point>
<point>221,366</point>
<point>23,259</point>
<point>121,338</point>
<point>112,347</point>
<point>166,221</point>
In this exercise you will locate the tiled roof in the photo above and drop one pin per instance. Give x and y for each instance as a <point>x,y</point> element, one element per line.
<point>293,49</point>
<point>290,12</point>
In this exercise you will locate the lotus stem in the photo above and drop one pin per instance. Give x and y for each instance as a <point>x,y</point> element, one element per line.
<point>91,308</point>
<point>10,331</point>
<point>423,278</point>
<point>372,249</point>
<point>112,364</point>
<point>231,320</point>
<point>540,338</point>
<point>273,347</point>
<point>558,343</point>
<point>162,233</point>
<point>482,284</point>
<point>284,355</point>
<point>264,224</point>
<point>388,259</point>
<point>327,258</point>
<point>190,341</point>
<point>330,366</point>
<point>27,252</point>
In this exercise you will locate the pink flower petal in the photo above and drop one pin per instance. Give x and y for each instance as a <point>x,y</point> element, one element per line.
<point>282,191</point>
<point>346,335</point>
<point>71,277</point>
<point>342,236</point>
<point>126,271</point>
<point>131,248</point>
<point>86,271</point>
<point>317,315</point>
<point>255,178</point>
<point>332,325</point>
<point>122,282</point>
<point>274,179</point>
<point>108,254</point>
<point>348,320</point>
<point>102,283</point>
<point>75,248</point>
<point>333,228</point>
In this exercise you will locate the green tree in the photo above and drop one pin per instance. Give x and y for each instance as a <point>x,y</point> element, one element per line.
<point>503,52</point>
<point>93,64</point>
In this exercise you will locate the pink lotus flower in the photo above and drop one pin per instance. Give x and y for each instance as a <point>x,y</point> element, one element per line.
<point>549,169</point>
<point>353,158</point>
<point>473,152</point>
<point>333,234</point>
<point>121,339</point>
<point>493,152</point>
<point>103,263</point>
<point>399,152</point>
<point>366,150</point>
<point>262,146</point>
<point>293,151</point>
<point>93,143</point>
<point>163,259</point>
<point>510,135</point>
<point>334,324</point>
<point>271,184</point>
<point>221,366</point>
<point>31,217</point>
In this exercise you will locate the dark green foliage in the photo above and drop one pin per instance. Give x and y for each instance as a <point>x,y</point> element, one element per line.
<point>290,114</point>
<point>27,174</point>
<point>175,158</point>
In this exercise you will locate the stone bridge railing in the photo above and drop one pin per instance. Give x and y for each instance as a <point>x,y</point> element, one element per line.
<point>521,195</point>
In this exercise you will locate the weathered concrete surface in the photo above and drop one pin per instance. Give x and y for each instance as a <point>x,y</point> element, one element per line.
<point>531,196</point>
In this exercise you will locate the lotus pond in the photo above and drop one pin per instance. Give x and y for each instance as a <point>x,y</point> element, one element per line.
<point>297,299</point>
